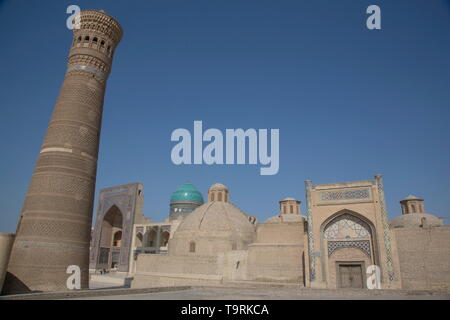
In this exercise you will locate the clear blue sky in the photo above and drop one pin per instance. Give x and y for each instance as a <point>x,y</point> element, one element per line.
<point>349,102</point>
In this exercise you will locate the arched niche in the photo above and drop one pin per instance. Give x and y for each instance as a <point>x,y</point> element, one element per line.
<point>165,235</point>
<point>138,241</point>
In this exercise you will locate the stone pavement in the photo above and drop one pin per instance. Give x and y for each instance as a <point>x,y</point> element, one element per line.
<point>216,293</point>
<point>237,291</point>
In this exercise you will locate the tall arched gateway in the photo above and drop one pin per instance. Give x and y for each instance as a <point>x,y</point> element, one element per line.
<point>348,249</point>
<point>110,239</point>
<point>119,208</point>
<point>348,222</point>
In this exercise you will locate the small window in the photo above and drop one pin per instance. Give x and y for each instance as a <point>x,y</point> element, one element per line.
<point>102,43</point>
<point>95,40</point>
<point>192,246</point>
<point>423,222</point>
<point>86,38</point>
<point>79,38</point>
<point>219,196</point>
<point>291,209</point>
<point>212,196</point>
<point>109,49</point>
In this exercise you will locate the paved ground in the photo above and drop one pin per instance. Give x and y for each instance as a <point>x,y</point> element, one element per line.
<point>101,285</point>
<point>275,294</point>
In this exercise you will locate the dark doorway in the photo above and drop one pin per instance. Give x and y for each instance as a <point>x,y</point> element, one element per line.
<point>350,275</point>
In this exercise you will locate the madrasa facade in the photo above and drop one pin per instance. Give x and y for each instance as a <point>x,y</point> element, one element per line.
<point>344,234</point>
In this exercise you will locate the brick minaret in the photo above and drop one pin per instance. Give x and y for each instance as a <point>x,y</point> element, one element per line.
<point>55,224</point>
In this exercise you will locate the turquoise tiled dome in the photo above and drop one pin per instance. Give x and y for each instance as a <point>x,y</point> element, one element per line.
<point>187,193</point>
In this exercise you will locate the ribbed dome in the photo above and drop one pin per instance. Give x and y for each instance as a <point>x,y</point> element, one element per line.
<point>216,217</point>
<point>187,193</point>
<point>214,224</point>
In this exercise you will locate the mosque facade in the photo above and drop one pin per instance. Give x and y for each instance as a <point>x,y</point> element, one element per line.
<point>345,232</point>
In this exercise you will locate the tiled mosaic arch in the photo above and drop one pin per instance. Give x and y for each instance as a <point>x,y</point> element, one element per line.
<point>346,227</point>
<point>345,231</point>
<point>363,245</point>
<point>359,229</point>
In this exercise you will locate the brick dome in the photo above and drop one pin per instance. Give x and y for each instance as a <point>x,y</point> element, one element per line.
<point>216,227</point>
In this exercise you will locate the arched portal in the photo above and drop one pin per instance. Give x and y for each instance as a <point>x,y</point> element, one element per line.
<point>348,249</point>
<point>110,239</point>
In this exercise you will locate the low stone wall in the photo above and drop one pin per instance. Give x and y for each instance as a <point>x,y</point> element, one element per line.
<point>278,252</point>
<point>77,294</point>
<point>153,279</point>
<point>167,263</point>
<point>171,270</point>
<point>424,255</point>
<point>276,262</point>
<point>233,265</point>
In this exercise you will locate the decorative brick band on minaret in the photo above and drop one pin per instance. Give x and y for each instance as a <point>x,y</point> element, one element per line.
<point>55,224</point>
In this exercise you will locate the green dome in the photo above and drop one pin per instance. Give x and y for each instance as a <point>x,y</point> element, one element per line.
<point>187,193</point>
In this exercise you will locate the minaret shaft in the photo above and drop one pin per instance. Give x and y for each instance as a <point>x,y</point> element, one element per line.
<point>55,225</point>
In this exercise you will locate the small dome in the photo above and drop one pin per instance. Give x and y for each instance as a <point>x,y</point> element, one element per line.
<point>218,186</point>
<point>288,199</point>
<point>411,197</point>
<point>416,220</point>
<point>218,192</point>
<point>187,193</point>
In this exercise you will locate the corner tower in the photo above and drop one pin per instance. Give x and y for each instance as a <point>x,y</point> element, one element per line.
<point>289,206</point>
<point>412,204</point>
<point>218,192</point>
<point>55,224</point>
